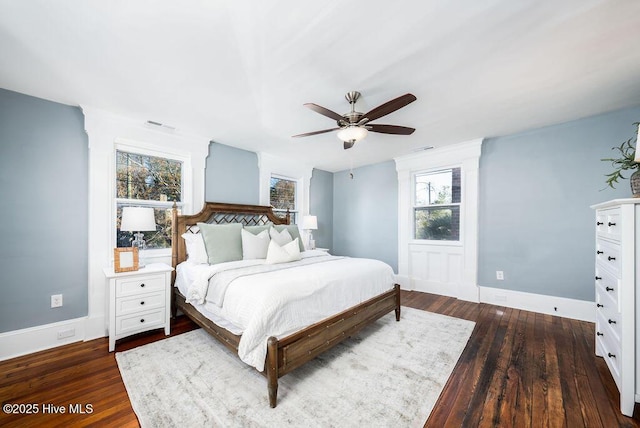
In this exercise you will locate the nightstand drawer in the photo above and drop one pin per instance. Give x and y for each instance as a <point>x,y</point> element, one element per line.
<point>139,284</point>
<point>134,304</point>
<point>139,322</point>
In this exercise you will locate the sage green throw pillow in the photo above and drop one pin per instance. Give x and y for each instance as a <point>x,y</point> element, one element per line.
<point>222,241</point>
<point>293,231</point>
<point>257,229</point>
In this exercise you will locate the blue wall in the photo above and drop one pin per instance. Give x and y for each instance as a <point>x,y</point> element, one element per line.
<point>365,213</point>
<point>321,205</point>
<point>231,175</point>
<point>44,220</point>
<point>535,191</point>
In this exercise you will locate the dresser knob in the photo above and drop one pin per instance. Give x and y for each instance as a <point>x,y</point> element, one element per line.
<point>611,355</point>
<point>142,303</point>
<point>612,322</point>
<point>599,334</point>
<point>599,223</point>
<point>611,224</point>
<point>598,278</point>
<point>599,252</point>
<point>142,320</point>
<point>608,288</point>
<point>142,285</point>
<point>611,258</point>
<point>597,304</point>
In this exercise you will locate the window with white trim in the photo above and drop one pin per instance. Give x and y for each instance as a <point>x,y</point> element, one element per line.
<point>144,180</point>
<point>437,205</point>
<point>283,196</point>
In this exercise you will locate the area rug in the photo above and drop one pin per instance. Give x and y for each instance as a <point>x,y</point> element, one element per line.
<point>389,375</point>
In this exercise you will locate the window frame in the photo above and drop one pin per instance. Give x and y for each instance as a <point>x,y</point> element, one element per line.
<point>415,207</point>
<point>186,190</point>
<point>295,212</point>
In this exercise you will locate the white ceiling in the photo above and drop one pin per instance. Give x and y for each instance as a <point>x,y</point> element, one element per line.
<point>239,72</point>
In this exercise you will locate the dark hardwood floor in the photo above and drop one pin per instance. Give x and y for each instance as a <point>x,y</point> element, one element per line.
<point>519,369</point>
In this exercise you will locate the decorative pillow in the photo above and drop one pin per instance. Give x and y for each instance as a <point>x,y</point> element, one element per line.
<point>283,254</point>
<point>257,229</point>
<point>222,241</point>
<point>255,246</point>
<point>281,237</point>
<point>196,252</point>
<point>293,231</point>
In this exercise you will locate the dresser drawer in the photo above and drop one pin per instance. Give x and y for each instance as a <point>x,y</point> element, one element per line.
<point>607,288</point>
<point>129,324</point>
<point>608,255</point>
<point>141,303</point>
<point>608,223</point>
<point>612,355</point>
<point>609,325</point>
<point>139,284</point>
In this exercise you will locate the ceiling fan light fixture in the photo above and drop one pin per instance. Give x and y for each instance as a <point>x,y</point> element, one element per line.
<point>352,133</point>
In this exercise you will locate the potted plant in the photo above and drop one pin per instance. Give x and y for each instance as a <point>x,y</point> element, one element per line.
<point>626,161</point>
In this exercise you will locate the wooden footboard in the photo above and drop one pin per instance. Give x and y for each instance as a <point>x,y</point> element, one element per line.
<point>290,352</point>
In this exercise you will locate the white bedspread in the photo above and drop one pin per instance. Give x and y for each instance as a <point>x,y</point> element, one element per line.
<point>280,302</point>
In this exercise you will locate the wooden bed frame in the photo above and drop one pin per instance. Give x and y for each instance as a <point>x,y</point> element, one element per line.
<point>288,353</point>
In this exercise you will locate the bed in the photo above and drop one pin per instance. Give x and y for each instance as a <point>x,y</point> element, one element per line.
<point>283,352</point>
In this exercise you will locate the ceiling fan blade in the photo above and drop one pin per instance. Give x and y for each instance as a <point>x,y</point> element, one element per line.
<point>390,129</point>
<point>389,107</point>
<point>348,144</point>
<point>324,111</point>
<point>315,132</point>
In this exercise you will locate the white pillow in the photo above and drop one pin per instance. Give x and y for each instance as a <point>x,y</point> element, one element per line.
<point>283,254</point>
<point>281,238</point>
<point>255,246</point>
<point>196,251</point>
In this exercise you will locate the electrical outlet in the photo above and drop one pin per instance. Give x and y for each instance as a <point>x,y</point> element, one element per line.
<point>500,275</point>
<point>56,300</point>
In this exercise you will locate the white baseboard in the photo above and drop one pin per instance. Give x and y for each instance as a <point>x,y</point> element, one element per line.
<point>551,305</point>
<point>29,340</point>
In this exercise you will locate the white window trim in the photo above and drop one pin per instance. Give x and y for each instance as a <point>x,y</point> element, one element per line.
<point>104,130</point>
<point>467,156</point>
<point>460,204</point>
<point>272,165</point>
<point>145,149</point>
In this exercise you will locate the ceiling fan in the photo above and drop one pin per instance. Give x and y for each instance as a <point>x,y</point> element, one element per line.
<point>354,126</point>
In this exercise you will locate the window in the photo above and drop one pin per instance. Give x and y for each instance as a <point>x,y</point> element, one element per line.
<point>149,181</point>
<point>436,207</point>
<point>283,195</point>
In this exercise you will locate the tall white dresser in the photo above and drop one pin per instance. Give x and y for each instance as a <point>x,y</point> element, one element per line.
<point>616,278</point>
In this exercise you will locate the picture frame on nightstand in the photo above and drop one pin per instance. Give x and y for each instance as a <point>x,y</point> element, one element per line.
<point>125,259</point>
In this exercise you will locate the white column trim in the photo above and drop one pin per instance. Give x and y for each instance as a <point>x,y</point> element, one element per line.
<point>467,155</point>
<point>105,130</point>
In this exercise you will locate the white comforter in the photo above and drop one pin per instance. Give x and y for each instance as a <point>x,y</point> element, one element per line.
<point>283,301</point>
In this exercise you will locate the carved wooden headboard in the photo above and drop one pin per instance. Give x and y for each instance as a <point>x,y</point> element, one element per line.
<point>217,213</point>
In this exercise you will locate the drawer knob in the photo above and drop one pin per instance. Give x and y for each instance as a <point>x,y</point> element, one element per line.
<point>599,223</point>
<point>599,252</point>
<point>597,304</point>
<point>142,303</point>
<point>599,334</point>
<point>142,320</point>
<point>611,224</point>
<point>611,258</point>
<point>598,278</point>
<point>612,322</point>
<point>142,285</point>
<point>611,355</point>
<point>608,288</point>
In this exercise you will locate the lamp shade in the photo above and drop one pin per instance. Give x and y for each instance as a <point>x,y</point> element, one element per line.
<point>310,222</point>
<point>137,219</point>
<point>352,133</point>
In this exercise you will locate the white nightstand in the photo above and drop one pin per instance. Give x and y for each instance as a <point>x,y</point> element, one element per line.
<point>138,301</point>
<point>326,250</point>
